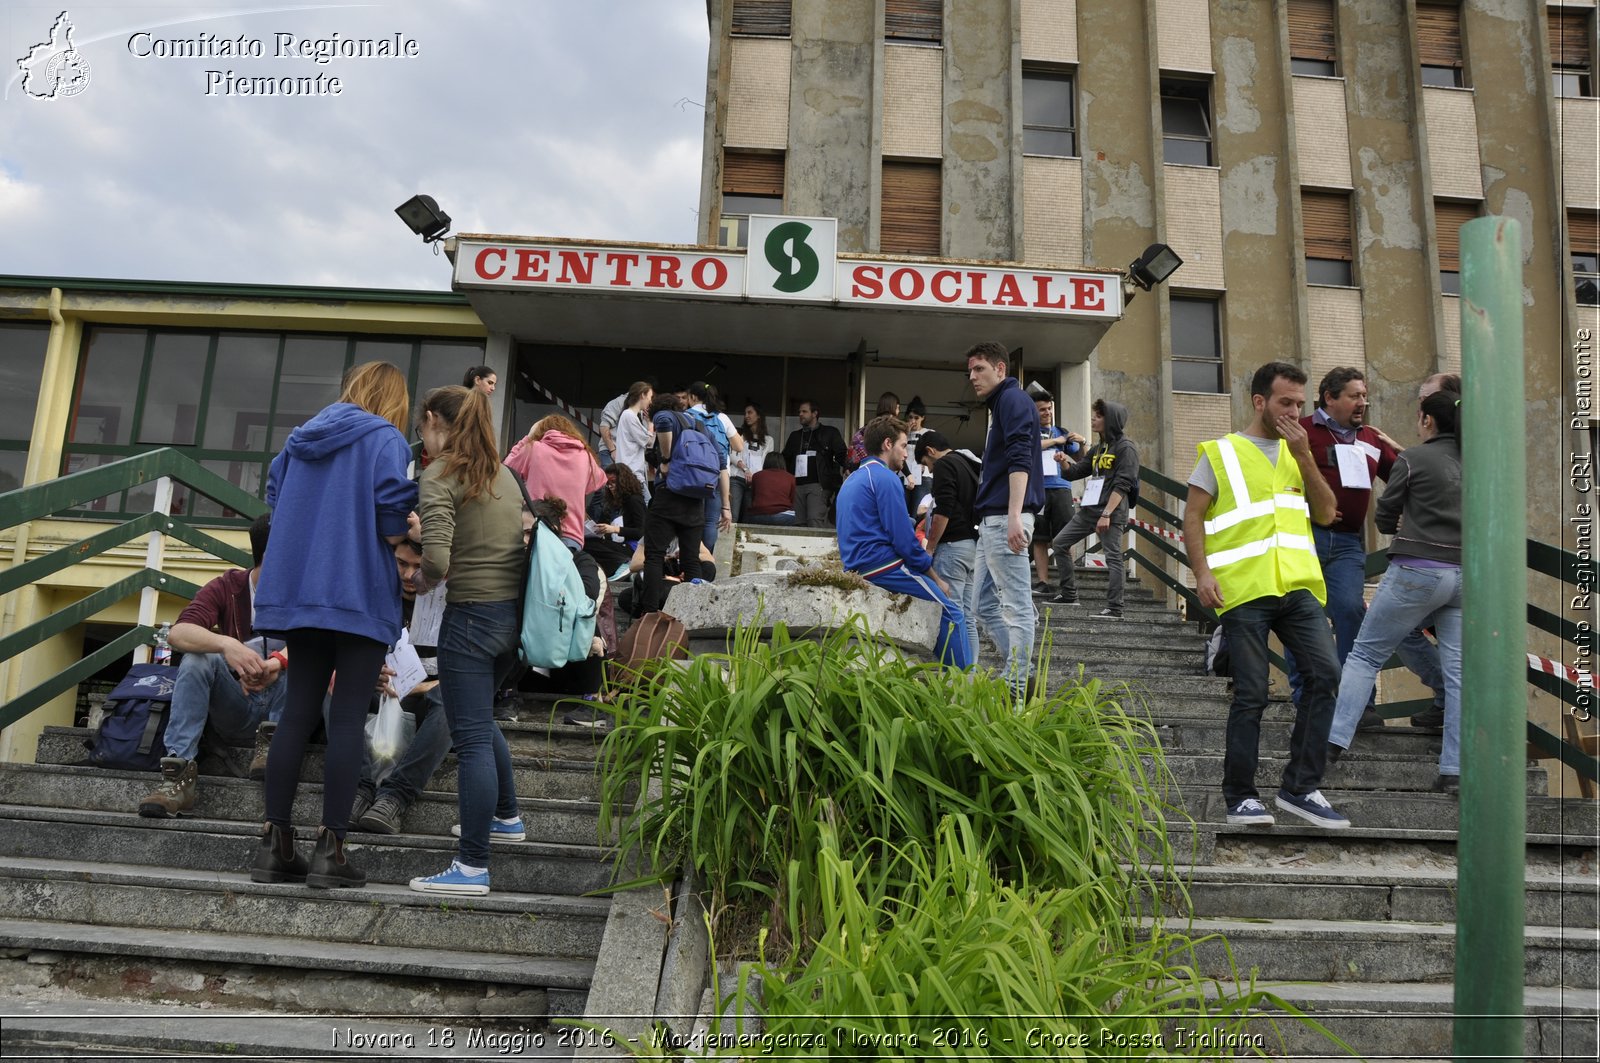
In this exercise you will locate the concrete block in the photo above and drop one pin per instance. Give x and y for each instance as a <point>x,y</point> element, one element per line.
<point>710,609</point>
<point>684,971</point>
<point>627,972</point>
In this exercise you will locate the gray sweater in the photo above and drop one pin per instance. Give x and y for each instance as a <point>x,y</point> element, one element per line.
<point>1421,505</point>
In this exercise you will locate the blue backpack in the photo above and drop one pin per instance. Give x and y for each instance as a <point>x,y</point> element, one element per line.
<point>711,424</point>
<point>694,465</point>
<point>558,616</point>
<point>132,734</point>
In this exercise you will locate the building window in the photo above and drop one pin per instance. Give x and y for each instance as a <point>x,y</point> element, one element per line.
<point>1439,44</point>
<point>1448,219</point>
<point>912,208</point>
<point>228,399</point>
<point>1326,216</point>
<point>1311,38</point>
<point>760,18</point>
<point>1196,344</point>
<point>752,183</point>
<point>22,348</point>
<point>1583,236</point>
<point>1049,125</point>
<point>1571,51</point>
<point>1186,121</point>
<point>914,20</point>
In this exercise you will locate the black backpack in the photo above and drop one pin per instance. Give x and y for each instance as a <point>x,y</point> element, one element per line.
<point>132,733</point>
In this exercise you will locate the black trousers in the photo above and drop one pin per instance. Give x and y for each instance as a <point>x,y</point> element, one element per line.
<point>671,516</point>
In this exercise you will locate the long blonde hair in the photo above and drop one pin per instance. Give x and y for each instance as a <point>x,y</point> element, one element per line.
<point>470,455</point>
<point>557,423</point>
<point>379,388</point>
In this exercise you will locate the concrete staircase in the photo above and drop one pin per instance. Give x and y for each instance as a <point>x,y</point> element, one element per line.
<point>1355,927</point>
<point>103,912</point>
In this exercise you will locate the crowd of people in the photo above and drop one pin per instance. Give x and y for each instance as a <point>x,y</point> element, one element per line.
<point>354,543</point>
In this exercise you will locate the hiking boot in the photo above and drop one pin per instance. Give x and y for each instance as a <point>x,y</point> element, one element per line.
<point>1447,784</point>
<point>329,869</point>
<point>359,806</point>
<point>384,816</point>
<point>1370,721</point>
<point>177,790</point>
<point>1431,720</point>
<point>258,762</point>
<point>276,859</point>
<point>1313,808</point>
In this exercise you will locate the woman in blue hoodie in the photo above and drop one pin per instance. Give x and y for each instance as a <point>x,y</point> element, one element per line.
<point>340,499</point>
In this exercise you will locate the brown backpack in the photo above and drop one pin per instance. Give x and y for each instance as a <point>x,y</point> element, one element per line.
<point>651,639</point>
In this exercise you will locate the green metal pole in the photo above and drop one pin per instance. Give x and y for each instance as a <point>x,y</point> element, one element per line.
<point>1491,852</point>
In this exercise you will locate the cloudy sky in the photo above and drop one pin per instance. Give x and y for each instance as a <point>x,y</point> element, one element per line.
<point>536,117</point>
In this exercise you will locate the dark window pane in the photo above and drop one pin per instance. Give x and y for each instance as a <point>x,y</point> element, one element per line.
<point>241,391</point>
<point>1448,77</point>
<point>1197,376</point>
<point>1585,263</point>
<point>1048,142</point>
<point>1194,328</point>
<point>396,352</point>
<point>1327,271</point>
<point>1046,101</point>
<point>1570,83</point>
<point>1181,117</point>
<point>109,386</point>
<point>1587,290</point>
<point>172,400</point>
<point>1186,152</point>
<point>12,464</point>
<point>72,463</point>
<point>1449,282</point>
<point>1314,67</point>
<point>250,475</point>
<point>22,350</point>
<point>312,369</point>
<point>733,203</point>
<point>446,363</point>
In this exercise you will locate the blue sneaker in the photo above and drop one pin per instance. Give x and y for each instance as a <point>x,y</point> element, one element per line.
<point>499,832</point>
<point>1313,808</point>
<point>1250,813</point>
<point>453,880</point>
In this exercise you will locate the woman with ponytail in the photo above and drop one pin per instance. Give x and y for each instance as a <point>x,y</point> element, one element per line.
<point>1421,508</point>
<point>472,536</point>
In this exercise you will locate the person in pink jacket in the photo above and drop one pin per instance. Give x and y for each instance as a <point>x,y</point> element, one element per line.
<point>554,460</point>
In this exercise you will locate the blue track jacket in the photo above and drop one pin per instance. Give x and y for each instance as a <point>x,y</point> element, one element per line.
<point>875,531</point>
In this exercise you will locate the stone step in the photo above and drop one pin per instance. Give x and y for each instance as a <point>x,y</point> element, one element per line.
<point>214,845</point>
<point>1109,665</point>
<point>1319,950</point>
<point>1111,635</point>
<point>1387,810</point>
<point>1183,727</point>
<point>387,914</point>
<point>1082,621</point>
<point>1205,842</point>
<point>240,800</point>
<point>1352,775</point>
<point>1376,891</point>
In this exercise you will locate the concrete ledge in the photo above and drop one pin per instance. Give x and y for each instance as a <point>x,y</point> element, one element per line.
<point>627,971</point>
<point>684,972</point>
<point>710,610</point>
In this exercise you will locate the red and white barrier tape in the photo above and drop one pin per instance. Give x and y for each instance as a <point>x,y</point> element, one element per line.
<point>1164,533</point>
<point>1562,671</point>
<point>565,408</point>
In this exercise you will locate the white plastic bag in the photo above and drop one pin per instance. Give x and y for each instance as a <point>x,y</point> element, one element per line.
<point>386,730</point>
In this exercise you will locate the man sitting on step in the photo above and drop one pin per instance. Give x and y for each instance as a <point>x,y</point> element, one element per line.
<point>1253,496</point>
<point>228,681</point>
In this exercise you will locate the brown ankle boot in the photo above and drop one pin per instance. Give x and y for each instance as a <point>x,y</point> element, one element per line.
<point>276,859</point>
<point>176,793</point>
<point>258,760</point>
<point>329,868</point>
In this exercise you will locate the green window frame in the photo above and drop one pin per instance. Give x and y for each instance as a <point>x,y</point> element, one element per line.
<point>247,466</point>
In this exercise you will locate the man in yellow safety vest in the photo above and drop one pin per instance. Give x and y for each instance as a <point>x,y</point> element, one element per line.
<point>1247,529</point>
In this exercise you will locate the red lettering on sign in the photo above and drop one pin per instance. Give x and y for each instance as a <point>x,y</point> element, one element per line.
<point>709,274</point>
<point>906,291</point>
<point>527,257</point>
<point>1043,302</point>
<point>1088,293</point>
<point>866,282</point>
<point>620,264</point>
<point>480,264</point>
<point>1010,293</point>
<point>936,286</point>
<point>975,293</point>
<point>577,267</point>
<point>664,272</point>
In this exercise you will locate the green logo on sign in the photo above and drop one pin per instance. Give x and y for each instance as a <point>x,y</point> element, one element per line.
<point>797,265</point>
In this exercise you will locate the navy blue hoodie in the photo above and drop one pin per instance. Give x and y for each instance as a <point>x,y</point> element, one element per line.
<point>337,488</point>
<point>1013,446</point>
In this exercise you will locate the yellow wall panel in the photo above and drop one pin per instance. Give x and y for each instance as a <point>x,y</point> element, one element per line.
<point>1450,357</point>
<point>1196,418</point>
<point>1580,151</point>
<point>1453,143</point>
<point>1052,211</point>
<point>913,101</point>
<point>1334,317</point>
<point>1194,223</point>
<point>1183,34</point>
<point>1050,31</point>
<point>758,94</point>
<point>1322,135</point>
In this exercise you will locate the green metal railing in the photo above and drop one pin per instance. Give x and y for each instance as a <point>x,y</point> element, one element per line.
<point>57,497</point>
<point>1542,558</point>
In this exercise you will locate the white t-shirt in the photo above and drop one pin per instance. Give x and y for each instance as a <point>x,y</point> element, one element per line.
<point>633,435</point>
<point>749,462</point>
<point>1205,477</point>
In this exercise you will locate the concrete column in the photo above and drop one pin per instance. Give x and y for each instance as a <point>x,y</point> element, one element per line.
<point>832,168</point>
<point>718,70</point>
<point>983,129</point>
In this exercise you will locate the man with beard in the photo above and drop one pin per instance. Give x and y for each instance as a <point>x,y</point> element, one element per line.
<point>1253,497</point>
<point>815,454</point>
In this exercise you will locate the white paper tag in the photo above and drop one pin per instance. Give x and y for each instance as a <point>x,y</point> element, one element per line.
<point>426,614</point>
<point>802,464</point>
<point>1047,460</point>
<point>408,670</point>
<point>1353,470</point>
<point>1092,488</point>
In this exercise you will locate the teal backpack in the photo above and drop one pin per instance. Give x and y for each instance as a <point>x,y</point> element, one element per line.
<point>558,616</point>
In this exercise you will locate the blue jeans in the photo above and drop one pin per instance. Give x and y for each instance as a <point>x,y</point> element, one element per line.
<point>956,564</point>
<point>785,519</point>
<point>713,515</point>
<point>1298,620</point>
<point>477,650</point>
<point>1012,573</point>
<point>422,755</point>
<point>952,645</point>
<point>1407,598</point>
<point>207,694</point>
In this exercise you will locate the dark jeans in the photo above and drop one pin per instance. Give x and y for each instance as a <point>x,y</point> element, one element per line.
<point>315,655</point>
<point>477,651</point>
<point>1299,621</point>
<point>670,516</point>
<point>1078,528</point>
<point>422,755</point>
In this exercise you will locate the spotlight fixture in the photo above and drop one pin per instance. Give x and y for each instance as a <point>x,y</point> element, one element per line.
<point>1154,266</point>
<point>423,217</point>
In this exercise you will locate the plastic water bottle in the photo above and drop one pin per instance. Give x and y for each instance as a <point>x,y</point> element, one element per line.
<point>162,654</point>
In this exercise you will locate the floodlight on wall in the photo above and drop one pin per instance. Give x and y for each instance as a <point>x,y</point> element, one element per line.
<point>1154,266</point>
<point>423,217</point>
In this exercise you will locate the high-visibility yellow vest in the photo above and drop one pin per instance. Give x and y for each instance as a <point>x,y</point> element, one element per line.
<point>1258,527</point>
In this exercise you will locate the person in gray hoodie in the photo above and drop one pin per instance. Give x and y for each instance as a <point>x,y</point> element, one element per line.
<point>1111,471</point>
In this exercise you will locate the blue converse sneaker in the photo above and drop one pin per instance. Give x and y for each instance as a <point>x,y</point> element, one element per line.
<point>498,831</point>
<point>1313,808</point>
<point>1250,813</point>
<point>453,880</point>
